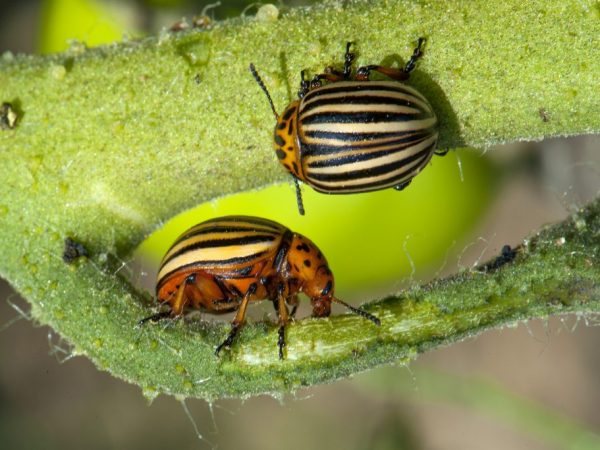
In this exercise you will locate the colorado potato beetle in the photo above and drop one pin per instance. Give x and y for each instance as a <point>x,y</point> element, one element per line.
<point>223,264</point>
<point>352,134</point>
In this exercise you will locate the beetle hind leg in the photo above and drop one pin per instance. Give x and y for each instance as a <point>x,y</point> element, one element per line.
<point>177,305</point>
<point>238,321</point>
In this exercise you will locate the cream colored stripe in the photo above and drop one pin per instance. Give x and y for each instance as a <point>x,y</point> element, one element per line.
<point>216,254</point>
<point>350,108</point>
<point>419,102</point>
<point>212,236</point>
<point>367,128</point>
<point>372,163</point>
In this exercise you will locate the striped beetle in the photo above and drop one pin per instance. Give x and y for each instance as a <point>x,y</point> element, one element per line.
<point>223,264</point>
<point>352,134</point>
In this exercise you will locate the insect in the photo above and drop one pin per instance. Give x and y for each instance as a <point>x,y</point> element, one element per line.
<point>355,135</point>
<point>223,264</point>
<point>8,116</point>
<point>73,250</point>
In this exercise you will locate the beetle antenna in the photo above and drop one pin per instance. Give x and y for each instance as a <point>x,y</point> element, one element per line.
<point>298,196</point>
<point>263,87</point>
<point>358,311</point>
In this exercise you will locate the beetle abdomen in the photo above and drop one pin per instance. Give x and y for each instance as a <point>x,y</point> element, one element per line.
<point>358,136</point>
<point>227,245</point>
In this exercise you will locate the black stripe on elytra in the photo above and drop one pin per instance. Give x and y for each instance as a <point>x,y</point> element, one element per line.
<point>406,138</point>
<point>200,265</point>
<point>358,101</point>
<point>358,87</point>
<point>224,230</point>
<point>390,181</point>
<point>245,220</point>
<point>362,117</point>
<point>370,171</point>
<point>343,136</point>
<point>358,156</point>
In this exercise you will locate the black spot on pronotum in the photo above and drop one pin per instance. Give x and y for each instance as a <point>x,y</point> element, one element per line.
<point>306,262</point>
<point>280,153</point>
<point>279,140</point>
<point>73,250</point>
<point>8,116</point>
<point>507,255</point>
<point>303,246</point>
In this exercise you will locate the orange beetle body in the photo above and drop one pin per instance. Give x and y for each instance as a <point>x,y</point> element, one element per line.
<point>223,264</point>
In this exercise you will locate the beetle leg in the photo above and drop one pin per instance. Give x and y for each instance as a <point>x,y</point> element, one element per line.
<point>298,196</point>
<point>238,320</point>
<point>362,74</point>
<point>348,60</point>
<point>304,85</point>
<point>443,152</point>
<point>283,319</point>
<point>345,74</point>
<point>155,317</point>
<point>403,185</point>
<point>181,299</point>
<point>177,306</point>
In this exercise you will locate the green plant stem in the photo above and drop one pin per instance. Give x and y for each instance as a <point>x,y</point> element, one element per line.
<point>110,142</point>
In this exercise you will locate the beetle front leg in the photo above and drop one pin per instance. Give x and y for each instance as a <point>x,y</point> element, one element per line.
<point>348,60</point>
<point>363,73</point>
<point>238,321</point>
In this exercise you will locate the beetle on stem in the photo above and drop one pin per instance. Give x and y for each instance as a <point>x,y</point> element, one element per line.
<point>223,264</point>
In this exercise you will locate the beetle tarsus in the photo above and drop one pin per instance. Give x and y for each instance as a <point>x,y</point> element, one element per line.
<point>417,53</point>
<point>154,317</point>
<point>281,340</point>
<point>299,196</point>
<point>227,342</point>
<point>403,185</point>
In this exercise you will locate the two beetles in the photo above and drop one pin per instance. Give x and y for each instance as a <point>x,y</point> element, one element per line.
<point>343,136</point>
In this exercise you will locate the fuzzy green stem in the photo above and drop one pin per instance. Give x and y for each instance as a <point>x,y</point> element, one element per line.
<point>113,141</point>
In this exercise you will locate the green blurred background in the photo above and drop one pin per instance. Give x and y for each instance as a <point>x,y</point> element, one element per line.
<point>462,209</point>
